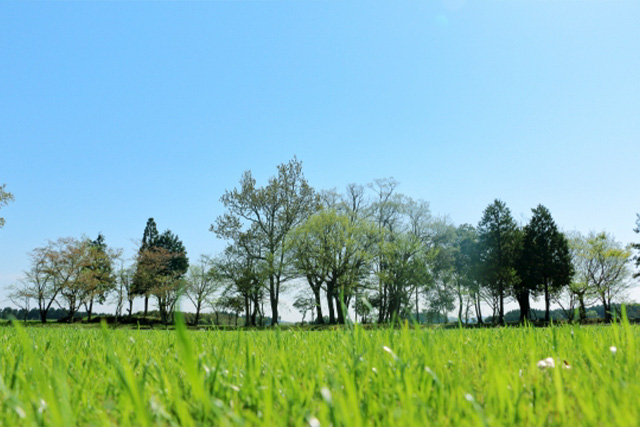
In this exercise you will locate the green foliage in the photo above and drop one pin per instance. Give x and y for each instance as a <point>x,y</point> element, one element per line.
<point>99,277</point>
<point>258,220</point>
<point>161,264</point>
<point>333,250</point>
<point>603,267</point>
<point>243,276</point>
<point>498,251</point>
<point>409,377</point>
<point>466,266</point>
<point>150,235</point>
<point>142,282</point>
<point>5,198</point>
<point>545,266</point>
<point>179,262</point>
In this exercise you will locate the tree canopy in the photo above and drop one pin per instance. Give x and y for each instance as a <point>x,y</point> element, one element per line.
<point>546,263</point>
<point>498,250</point>
<point>259,219</point>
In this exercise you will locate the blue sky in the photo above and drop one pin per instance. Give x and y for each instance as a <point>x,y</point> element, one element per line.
<point>113,112</point>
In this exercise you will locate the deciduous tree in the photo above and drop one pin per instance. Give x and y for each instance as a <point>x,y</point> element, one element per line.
<point>67,259</point>
<point>123,291</point>
<point>38,282</point>
<point>580,289</point>
<point>304,304</point>
<point>244,276</point>
<point>334,253</point>
<point>258,220</point>
<point>97,276</point>
<point>605,268</point>
<point>201,283</point>
<point>465,270</point>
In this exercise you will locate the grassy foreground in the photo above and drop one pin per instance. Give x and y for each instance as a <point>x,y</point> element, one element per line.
<point>489,377</point>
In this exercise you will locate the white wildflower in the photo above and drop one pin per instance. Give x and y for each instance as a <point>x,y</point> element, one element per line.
<point>388,350</point>
<point>613,349</point>
<point>20,412</point>
<point>314,422</point>
<point>42,407</point>
<point>326,395</point>
<point>546,363</point>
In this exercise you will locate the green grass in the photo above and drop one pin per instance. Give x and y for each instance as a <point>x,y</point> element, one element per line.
<point>484,377</point>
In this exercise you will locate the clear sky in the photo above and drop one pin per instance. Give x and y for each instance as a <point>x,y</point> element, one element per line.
<point>112,112</point>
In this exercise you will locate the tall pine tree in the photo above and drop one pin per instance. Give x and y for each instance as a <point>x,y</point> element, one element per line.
<point>498,249</point>
<point>546,262</point>
<point>142,283</point>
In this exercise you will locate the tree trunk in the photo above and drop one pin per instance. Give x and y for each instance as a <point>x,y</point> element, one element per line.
<point>607,310</point>
<point>547,302</point>
<point>146,305</point>
<point>262,314</point>
<point>394,305</point>
<point>478,304</point>
<point>254,313</point>
<point>340,308</point>
<point>525,306</point>
<point>273,299</point>
<point>417,306</point>
<point>382,314</point>
<point>582,310</point>
<point>316,296</point>
<point>247,310</point>
<point>356,305</point>
<point>43,316</point>
<point>501,310</point>
<point>274,312</point>
<point>72,312</point>
<point>466,312</point>
<point>90,310</point>
<point>332,314</point>
<point>197,319</point>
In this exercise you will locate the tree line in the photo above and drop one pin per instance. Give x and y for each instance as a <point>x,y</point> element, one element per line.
<point>369,251</point>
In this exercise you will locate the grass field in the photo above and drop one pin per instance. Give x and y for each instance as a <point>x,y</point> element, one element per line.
<point>484,377</point>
